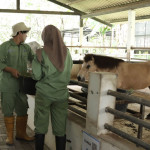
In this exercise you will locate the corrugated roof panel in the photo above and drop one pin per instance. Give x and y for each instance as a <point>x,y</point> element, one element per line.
<point>109,3</point>
<point>114,16</point>
<point>143,11</point>
<point>124,15</point>
<point>89,6</point>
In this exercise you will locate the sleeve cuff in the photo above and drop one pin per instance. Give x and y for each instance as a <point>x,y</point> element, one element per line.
<point>2,66</point>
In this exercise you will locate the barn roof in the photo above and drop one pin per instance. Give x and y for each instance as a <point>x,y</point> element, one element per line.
<point>108,11</point>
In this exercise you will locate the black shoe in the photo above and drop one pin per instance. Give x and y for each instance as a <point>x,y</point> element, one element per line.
<point>60,142</point>
<point>39,141</point>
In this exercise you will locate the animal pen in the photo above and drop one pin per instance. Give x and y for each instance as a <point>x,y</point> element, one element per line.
<point>91,114</point>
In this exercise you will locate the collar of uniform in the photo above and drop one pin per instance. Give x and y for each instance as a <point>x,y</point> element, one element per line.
<point>13,43</point>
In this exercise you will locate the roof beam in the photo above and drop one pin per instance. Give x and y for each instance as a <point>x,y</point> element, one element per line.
<point>37,12</point>
<point>101,21</point>
<point>79,12</point>
<point>135,5</point>
<point>143,17</point>
<point>66,6</point>
<point>75,1</point>
<point>126,19</point>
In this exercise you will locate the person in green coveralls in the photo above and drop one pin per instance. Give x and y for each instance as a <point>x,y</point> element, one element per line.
<point>14,55</point>
<point>51,67</point>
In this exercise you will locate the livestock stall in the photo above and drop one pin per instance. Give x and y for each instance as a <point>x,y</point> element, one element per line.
<point>87,130</point>
<point>91,128</point>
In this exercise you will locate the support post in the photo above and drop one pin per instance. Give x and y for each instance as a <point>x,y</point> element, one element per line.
<point>131,32</point>
<point>18,4</point>
<point>81,32</point>
<point>98,100</point>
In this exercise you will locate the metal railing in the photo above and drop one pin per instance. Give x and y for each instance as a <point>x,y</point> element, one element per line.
<point>78,97</point>
<point>82,100</point>
<point>122,94</point>
<point>73,82</point>
<point>127,136</point>
<point>141,123</point>
<point>130,98</point>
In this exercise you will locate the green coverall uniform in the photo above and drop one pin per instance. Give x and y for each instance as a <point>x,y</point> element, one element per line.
<point>14,56</point>
<point>51,94</point>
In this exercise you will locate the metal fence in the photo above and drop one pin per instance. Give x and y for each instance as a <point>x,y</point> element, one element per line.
<point>141,123</point>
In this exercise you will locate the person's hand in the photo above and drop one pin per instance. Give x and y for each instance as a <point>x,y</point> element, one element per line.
<point>15,73</point>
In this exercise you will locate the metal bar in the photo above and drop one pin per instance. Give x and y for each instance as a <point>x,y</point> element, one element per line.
<point>77,111</point>
<point>81,61</point>
<point>79,105</point>
<point>122,90</point>
<point>72,90</point>
<point>135,48</point>
<point>140,128</point>
<point>133,111</point>
<point>126,19</point>
<point>130,98</point>
<point>99,47</point>
<point>71,102</point>
<point>127,117</point>
<point>79,83</point>
<point>138,59</point>
<point>141,48</point>
<point>77,61</point>
<point>18,4</point>
<point>37,12</point>
<point>78,97</point>
<point>132,59</point>
<point>127,136</point>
